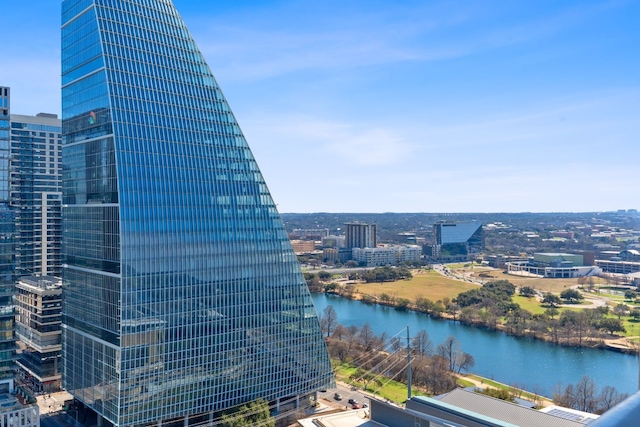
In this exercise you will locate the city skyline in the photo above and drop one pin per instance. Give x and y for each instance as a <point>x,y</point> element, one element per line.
<point>406,107</point>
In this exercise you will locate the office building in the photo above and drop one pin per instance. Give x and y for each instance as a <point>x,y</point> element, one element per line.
<point>359,235</point>
<point>456,240</point>
<point>7,248</point>
<point>39,329</point>
<point>182,295</point>
<point>35,192</point>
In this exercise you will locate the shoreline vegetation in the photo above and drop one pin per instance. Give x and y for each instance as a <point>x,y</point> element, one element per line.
<point>561,318</point>
<point>380,365</point>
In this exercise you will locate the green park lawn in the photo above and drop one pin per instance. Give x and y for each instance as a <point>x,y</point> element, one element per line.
<point>425,284</point>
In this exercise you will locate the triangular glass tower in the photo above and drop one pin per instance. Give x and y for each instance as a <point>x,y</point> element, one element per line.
<point>182,295</point>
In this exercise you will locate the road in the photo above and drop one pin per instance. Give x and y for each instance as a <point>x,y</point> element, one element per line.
<point>328,397</point>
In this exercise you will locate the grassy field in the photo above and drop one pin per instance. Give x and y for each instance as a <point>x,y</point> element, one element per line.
<point>426,284</point>
<point>392,390</point>
<point>529,304</point>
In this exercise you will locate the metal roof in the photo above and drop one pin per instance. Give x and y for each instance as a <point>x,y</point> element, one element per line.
<point>505,411</point>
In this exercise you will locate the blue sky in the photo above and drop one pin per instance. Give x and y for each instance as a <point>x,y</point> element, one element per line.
<point>406,106</point>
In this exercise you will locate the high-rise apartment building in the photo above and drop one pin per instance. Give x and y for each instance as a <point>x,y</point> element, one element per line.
<point>182,295</point>
<point>35,192</point>
<point>359,235</point>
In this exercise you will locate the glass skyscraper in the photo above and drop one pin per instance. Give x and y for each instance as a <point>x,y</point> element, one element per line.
<point>181,293</point>
<point>7,252</point>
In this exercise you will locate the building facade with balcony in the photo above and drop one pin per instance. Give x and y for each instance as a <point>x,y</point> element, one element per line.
<point>39,329</point>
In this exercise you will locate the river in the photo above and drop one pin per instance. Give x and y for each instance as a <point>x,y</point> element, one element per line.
<point>530,364</point>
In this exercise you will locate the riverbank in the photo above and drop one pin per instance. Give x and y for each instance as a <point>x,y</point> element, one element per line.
<point>520,362</point>
<point>606,342</point>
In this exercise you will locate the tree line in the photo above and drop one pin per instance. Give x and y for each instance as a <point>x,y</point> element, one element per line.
<point>380,358</point>
<point>491,306</point>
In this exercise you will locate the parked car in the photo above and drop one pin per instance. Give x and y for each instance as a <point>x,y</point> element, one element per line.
<point>337,396</point>
<point>355,406</point>
<point>352,401</point>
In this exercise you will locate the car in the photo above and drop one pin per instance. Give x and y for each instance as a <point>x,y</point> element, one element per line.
<point>365,405</point>
<point>337,396</point>
<point>355,406</point>
<point>352,401</point>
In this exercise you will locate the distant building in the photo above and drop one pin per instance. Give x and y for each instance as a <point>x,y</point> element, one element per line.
<point>330,254</point>
<point>563,234</point>
<point>303,246</point>
<point>553,266</point>
<point>333,242</point>
<point>386,255</point>
<point>359,235</point>
<point>456,241</point>
<point>309,234</point>
<point>39,328</point>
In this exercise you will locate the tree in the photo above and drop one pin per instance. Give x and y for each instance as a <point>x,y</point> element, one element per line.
<point>450,351</point>
<point>313,283</point>
<point>620,310</point>
<point>366,336</point>
<point>551,300</point>
<point>608,398</point>
<point>630,295</point>
<point>422,344</point>
<point>254,413</point>
<point>612,325</point>
<point>552,312</point>
<point>571,296</point>
<point>329,320</point>
<point>324,275</point>
<point>402,303</point>
<point>585,394</point>
<point>527,291</point>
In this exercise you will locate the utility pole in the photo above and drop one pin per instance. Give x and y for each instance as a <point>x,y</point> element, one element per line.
<point>408,365</point>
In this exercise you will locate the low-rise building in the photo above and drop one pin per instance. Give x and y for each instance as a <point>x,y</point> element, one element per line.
<point>39,330</point>
<point>303,246</point>
<point>386,255</point>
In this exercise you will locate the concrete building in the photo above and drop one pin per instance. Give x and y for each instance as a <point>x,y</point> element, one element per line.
<point>309,234</point>
<point>359,235</point>
<point>39,328</point>
<point>333,242</point>
<point>36,193</point>
<point>386,255</point>
<point>303,246</point>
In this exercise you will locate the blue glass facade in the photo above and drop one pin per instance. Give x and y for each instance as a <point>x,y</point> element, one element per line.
<point>181,292</point>
<point>7,252</point>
